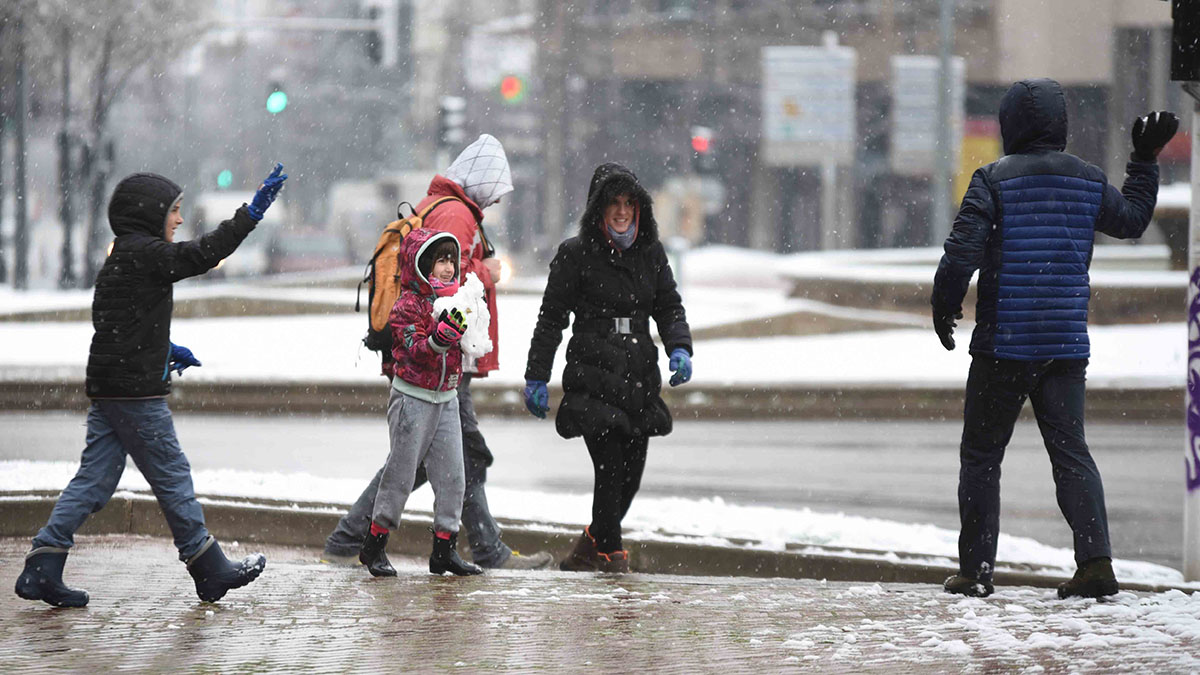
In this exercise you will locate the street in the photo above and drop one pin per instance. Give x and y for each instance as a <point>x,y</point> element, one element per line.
<point>901,471</point>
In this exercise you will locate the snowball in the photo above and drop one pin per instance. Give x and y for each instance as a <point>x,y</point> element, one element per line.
<point>471,302</point>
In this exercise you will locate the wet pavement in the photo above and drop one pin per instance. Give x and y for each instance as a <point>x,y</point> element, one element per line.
<point>302,615</point>
<point>904,471</point>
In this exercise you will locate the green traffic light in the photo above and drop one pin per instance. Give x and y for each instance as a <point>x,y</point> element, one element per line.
<point>276,102</point>
<point>225,179</point>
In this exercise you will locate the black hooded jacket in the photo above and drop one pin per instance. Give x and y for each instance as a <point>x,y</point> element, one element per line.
<point>131,308</point>
<point>1028,223</point>
<point>612,379</point>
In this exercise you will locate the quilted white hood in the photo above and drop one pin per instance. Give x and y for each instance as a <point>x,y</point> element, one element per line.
<point>482,171</point>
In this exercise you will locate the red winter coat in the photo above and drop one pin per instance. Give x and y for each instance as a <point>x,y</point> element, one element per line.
<point>414,358</point>
<point>462,220</point>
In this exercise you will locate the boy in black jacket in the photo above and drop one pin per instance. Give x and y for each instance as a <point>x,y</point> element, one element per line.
<point>128,379</point>
<point>1027,223</point>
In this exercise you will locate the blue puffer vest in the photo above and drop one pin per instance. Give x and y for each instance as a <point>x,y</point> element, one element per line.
<point>1027,224</point>
<point>1042,287</point>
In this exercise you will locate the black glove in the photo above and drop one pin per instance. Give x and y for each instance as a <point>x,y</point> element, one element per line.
<point>1151,133</point>
<point>943,325</point>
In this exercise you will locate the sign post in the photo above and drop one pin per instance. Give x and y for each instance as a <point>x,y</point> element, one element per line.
<point>808,116</point>
<point>915,118</point>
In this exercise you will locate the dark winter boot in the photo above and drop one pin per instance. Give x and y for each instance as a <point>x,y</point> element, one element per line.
<point>373,555</point>
<point>1094,579</point>
<point>216,575</point>
<point>970,587</point>
<point>445,557</point>
<point>616,562</point>
<point>584,557</point>
<point>42,579</point>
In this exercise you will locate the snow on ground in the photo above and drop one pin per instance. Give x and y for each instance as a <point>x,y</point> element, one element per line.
<point>721,285</point>
<point>712,521</point>
<point>1017,630</point>
<point>1025,627</point>
<point>1114,266</point>
<point>327,348</point>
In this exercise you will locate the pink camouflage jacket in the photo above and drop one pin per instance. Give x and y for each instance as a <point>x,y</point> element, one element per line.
<point>414,360</point>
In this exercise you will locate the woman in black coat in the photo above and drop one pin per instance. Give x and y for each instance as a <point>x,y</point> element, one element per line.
<point>614,276</point>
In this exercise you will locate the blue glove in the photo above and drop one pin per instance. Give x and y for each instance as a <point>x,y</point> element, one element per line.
<point>681,365</point>
<point>537,398</point>
<point>182,359</point>
<point>266,193</point>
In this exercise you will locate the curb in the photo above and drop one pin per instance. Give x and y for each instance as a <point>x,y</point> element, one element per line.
<point>821,402</point>
<point>306,524</point>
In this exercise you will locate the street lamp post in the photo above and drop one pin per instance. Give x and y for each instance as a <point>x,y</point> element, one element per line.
<point>943,171</point>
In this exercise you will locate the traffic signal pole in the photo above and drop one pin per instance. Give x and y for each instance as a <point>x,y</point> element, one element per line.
<point>385,23</point>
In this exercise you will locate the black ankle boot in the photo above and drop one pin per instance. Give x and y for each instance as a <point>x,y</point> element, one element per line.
<point>373,555</point>
<point>1093,579</point>
<point>215,575</point>
<point>42,579</point>
<point>445,558</point>
<point>971,587</point>
<point>584,557</point>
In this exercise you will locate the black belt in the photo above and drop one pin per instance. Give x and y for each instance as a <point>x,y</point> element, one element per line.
<point>622,325</point>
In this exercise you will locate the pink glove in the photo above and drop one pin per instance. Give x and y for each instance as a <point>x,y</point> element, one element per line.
<point>450,328</point>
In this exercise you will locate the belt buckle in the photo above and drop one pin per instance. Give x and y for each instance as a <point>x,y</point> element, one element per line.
<point>622,325</point>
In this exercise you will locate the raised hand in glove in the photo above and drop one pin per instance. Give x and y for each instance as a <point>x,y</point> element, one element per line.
<point>449,330</point>
<point>537,398</point>
<point>681,365</point>
<point>943,325</point>
<point>266,193</point>
<point>1151,133</point>
<point>181,359</point>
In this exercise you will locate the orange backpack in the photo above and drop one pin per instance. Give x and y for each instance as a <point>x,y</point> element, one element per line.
<point>382,275</point>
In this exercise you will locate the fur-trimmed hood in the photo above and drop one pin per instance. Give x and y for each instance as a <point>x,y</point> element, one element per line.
<point>609,181</point>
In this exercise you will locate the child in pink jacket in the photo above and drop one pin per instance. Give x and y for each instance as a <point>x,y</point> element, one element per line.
<point>423,408</point>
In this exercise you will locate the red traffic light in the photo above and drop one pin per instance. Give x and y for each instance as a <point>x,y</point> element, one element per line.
<point>512,89</point>
<point>700,143</point>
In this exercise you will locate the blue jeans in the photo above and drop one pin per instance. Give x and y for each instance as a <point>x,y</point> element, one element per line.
<point>143,430</point>
<point>483,533</point>
<point>996,391</point>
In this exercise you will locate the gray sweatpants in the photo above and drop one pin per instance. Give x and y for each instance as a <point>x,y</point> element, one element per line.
<point>422,433</point>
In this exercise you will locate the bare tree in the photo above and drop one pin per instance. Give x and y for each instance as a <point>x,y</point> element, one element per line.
<point>108,49</point>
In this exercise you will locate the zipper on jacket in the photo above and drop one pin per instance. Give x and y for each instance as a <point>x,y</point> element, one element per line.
<point>442,380</point>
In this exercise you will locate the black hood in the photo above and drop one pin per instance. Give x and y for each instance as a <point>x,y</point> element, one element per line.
<point>140,203</point>
<point>1033,117</point>
<point>609,181</point>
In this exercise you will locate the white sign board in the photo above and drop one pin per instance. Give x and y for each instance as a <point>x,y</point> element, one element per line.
<point>808,105</point>
<point>914,127</point>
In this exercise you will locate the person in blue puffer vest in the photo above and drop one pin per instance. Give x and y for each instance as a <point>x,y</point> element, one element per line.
<point>1027,224</point>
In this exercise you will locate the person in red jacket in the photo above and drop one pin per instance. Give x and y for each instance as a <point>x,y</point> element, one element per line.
<point>478,178</point>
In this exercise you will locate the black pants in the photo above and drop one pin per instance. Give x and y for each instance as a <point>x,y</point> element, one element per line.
<point>996,391</point>
<point>618,461</point>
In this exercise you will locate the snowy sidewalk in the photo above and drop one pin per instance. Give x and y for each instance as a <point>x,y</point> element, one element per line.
<point>302,615</point>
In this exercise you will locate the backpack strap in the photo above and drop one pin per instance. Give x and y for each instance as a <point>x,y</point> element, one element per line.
<point>489,250</point>
<point>439,202</point>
